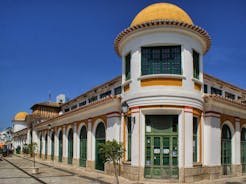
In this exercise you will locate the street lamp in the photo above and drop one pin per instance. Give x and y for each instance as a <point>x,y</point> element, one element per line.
<point>124,108</point>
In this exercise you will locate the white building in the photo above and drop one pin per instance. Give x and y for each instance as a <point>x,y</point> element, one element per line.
<point>180,123</point>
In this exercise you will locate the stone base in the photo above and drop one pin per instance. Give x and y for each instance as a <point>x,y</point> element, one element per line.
<point>199,173</point>
<point>126,170</point>
<point>236,170</point>
<point>90,165</point>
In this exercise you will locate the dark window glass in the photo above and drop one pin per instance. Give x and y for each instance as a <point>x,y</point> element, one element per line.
<point>195,138</point>
<point>161,60</point>
<point>66,110</point>
<point>205,88</point>
<point>103,95</point>
<point>216,91</point>
<point>117,90</point>
<point>92,99</point>
<point>196,65</point>
<point>128,66</point>
<point>74,107</point>
<point>230,95</point>
<point>82,103</point>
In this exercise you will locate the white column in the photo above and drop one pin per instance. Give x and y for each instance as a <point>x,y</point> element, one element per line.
<point>181,134</point>
<point>64,143</point>
<point>78,142</point>
<point>89,140</point>
<point>212,140</point>
<point>34,136</point>
<point>113,127</point>
<point>28,141</point>
<point>236,149</point>
<point>188,143</point>
<point>56,142</point>
<point>135,160</point>
<point>75,141</point>
<point>49,142</point>
<point>142,138</point>
<point>43,143</point>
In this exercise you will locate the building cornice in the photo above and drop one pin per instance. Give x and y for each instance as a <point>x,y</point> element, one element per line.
<point>163,23</point>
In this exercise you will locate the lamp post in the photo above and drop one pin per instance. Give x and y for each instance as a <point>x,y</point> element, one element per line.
<point>124,109</point>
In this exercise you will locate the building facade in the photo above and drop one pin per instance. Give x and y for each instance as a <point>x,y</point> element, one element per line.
<point>174,121</point>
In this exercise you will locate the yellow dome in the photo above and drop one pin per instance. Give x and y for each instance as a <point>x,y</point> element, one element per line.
<point>21,116</point>
<point>161,11</point>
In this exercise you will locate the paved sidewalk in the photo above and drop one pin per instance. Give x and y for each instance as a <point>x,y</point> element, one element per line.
<point>71,175</point>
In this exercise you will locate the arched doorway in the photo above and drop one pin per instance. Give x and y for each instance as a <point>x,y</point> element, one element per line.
<point>40,147</point>
<point>83,146</point>
<point>243,149</point>
<point>100,138</point>
<point>46,146</point>
<point>226,150</point>
<point>70,147</point>
<point>52,145</point>
<point>60,147</point>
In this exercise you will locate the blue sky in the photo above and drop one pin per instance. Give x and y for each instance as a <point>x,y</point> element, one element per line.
<point>58,46</point>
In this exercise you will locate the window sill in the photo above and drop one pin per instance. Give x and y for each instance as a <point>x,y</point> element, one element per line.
<point>197,81</point>
<point>172,76</point>
<point>197,164</point>
<point>126,82</point>
<point>127,162</point>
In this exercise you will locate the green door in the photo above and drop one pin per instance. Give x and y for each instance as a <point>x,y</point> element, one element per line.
<point>226,150</point>
<point>70,147</point>
<point>100,138</point>
<point>52,146</point>
<point>129,139</point>
<point>46,146</point>
<point>161,146</point>
<point>40,147</point>
<point>60,147</point>
<point>243,149</point>
<point>83,146</point>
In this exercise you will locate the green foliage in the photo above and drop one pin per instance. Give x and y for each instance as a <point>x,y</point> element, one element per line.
<point>25,149</point>
<point>112,150</point>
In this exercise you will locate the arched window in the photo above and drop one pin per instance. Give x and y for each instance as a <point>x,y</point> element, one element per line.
<point>52,145</point>
<point>60,147</point>
<point>243,149</point>
<point>46,146</point>
<point>100,138</point>
<point>40,146</point>
<point>226,149</point>
<point>83,146</point>
<point>70,147</point>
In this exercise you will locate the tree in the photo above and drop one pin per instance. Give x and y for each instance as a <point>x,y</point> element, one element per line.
<point>33,149</point>
<point>113,152</point>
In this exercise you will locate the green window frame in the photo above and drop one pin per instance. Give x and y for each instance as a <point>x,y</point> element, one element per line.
<point>161,60</point>
<point>128,66</point>
<point>129,138</point>
<point>195,138</point>
<point>196,64</point>
<point>216,91</point>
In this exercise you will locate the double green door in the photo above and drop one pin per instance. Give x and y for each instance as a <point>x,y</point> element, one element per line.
<point>161,156</point>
